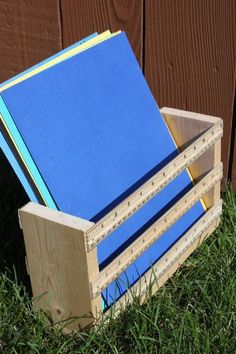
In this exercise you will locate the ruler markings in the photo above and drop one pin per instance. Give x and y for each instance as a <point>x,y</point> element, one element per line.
<point>132,252</point>
<point>149,189</point>
<point>163,265</point>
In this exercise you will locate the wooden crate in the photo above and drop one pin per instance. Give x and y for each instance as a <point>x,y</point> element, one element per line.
<point>61,249</point>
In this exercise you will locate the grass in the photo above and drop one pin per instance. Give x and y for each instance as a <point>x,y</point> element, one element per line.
<point>193,313</point>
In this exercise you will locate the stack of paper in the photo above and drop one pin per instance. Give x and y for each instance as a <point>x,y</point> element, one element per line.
<point>82,131</point>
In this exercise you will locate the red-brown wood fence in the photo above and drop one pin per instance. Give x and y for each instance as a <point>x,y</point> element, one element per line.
<point>186,48</point>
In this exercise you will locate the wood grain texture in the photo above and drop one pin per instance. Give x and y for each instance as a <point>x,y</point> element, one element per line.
<point>151,287</point>
<point>185,128</point>
<point>233,173</point>
<point>81,18</point>
<point>153,233</point>
<point>190,57</point>
<point>30,32</point>
<point>59,266</point>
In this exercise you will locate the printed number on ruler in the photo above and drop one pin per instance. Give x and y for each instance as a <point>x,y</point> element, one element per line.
<point>132,252</point>
<point>149,189</point>
<point>164,264</point>
<point>186,241</point>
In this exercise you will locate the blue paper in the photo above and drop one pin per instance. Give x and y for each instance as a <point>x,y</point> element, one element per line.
<point>95,134</point>
<point>39,182</point>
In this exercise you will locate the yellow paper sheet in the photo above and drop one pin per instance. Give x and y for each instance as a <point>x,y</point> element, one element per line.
<point>90,43</point>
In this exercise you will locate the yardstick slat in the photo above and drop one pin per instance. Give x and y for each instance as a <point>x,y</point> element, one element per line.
<point>142,195</point>
<point>131,253</point>
<point>171,261</point>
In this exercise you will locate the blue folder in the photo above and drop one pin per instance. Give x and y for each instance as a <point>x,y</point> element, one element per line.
<point>95,134</point>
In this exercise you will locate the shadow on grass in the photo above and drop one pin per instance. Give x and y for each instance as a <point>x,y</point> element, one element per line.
<point>12,197</point>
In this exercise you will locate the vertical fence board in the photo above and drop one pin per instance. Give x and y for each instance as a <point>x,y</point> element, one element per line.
<point>81,18</point>
<point>233,167</point>
<point>233,146</point>
<point>30,32</point>
<point>190,57</point>
<point>188,47</point>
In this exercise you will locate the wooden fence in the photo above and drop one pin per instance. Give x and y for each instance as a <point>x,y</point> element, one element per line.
<point>186,48</point>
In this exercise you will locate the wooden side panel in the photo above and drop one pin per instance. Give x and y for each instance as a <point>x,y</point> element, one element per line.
<point>30,32</point>
<point>190,57</point>
<point>187,126</point>
<point>81,18</point>
<point>58,264</point>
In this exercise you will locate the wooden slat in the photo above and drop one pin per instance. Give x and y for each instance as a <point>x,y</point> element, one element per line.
<point>167,265</point>
<point>81,18</point>
<point>190,57</point>
<point>154,232</point>
<point>59,266</point>
<point>30,32</point>
<point>186,126</point>
<point>148,190</point>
